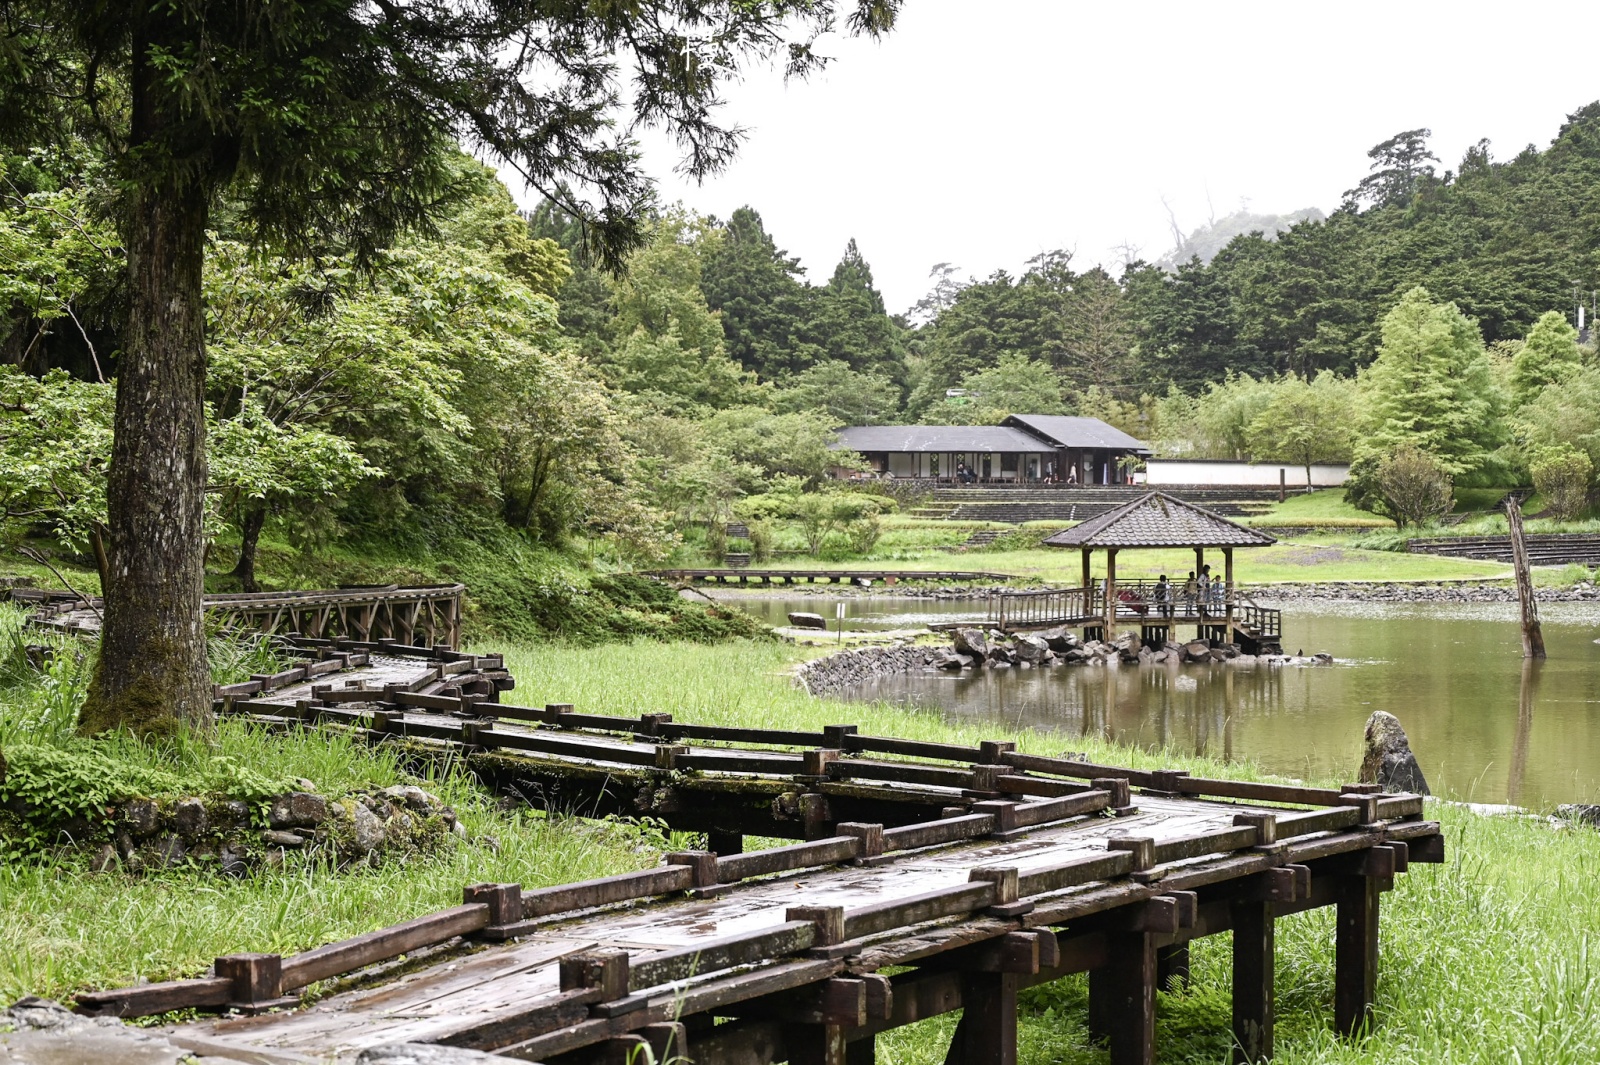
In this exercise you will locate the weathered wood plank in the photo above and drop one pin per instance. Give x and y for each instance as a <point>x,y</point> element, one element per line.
<point>357,952</point>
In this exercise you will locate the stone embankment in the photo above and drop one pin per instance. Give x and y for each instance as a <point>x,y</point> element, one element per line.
<point>978,649</point>
<point>232,837</point>
<point>1583,592</point>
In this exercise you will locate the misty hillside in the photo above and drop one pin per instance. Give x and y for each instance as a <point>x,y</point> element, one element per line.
<point>1211,238</point>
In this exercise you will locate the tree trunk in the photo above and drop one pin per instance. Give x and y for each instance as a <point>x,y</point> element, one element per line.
<point>152,674</point>
<point>255,516</point>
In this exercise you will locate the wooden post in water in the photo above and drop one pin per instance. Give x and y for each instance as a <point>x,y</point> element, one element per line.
<point>1532,635</point>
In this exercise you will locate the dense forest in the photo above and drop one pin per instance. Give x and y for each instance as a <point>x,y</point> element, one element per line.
<point>490,373</point>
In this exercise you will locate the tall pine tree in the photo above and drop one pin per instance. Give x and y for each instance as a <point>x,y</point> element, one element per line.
<point>849,322</point>
<point>763,301</point>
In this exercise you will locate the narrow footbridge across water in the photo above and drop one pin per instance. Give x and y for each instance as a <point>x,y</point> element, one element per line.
<point>930,878</point>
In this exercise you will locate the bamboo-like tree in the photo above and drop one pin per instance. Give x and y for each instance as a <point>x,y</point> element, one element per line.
<point>328,124</point>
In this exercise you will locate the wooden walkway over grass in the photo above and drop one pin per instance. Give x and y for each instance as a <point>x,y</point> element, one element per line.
<point>742,575</point>
<point>371,612</point>
<point>983,871</point>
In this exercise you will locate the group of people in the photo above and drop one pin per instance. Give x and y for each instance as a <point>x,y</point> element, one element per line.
<point>1202,592</point>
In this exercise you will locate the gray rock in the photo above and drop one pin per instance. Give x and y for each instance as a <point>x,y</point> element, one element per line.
<point>105,859</point>
<point>1583,813</point>
<point>1387,759</point>
<point>1031,649</point>
<point>971,642</point>
<point>275,837</point>
<point>234,813</point>
<point>142,816</point>
<point>425,1054</point>
<point>163,853</point>
<point>1000,654</point>
<point>802,620</point>
<point>298,809</point>
<point>1197,651</point>
<point>368,830</point>
<point>190,818</point>
<point>1060,639</point>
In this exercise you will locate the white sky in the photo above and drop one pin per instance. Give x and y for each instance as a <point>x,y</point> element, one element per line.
<point>983,133</point>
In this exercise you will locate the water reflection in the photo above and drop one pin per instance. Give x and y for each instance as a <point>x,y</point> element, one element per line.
<point>1484,727</point>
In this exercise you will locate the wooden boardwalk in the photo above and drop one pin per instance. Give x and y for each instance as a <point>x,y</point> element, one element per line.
<point>988,871</point>
<point>431,614</point>
<point>741,575</point>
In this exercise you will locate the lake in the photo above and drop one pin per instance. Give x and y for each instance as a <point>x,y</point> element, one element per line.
<point>1483,729</point>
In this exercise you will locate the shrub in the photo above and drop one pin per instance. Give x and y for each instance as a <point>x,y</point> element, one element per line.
<point>1562,476</point>
<point>716,542</point>
<point>761,537</point>
<point>863,533</point>
<point>1414,486</point>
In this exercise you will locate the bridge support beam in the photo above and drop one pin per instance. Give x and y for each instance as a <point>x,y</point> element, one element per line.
<point>1122,998</point>
<point>1254,955</point>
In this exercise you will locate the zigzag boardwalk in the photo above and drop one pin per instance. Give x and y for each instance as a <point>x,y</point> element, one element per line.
<point>988,872</point>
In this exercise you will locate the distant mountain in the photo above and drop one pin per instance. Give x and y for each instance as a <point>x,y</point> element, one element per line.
<point>1214,236</point>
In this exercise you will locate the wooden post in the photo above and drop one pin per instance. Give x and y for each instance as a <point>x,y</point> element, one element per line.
<point>1086,578</point>
<point>815,1044</point>
<point>1283,492</point>
<point>1253,958</point>
<point>1355,954</point>
<point>1111,594</point>
<point>1532,635</point>
<point>1126,992</point>
<point>1200,614</point>
<point>1227,589</point>
<point>987,1032</point>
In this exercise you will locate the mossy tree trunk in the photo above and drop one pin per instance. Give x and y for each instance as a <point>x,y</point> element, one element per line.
<point>152,673</point>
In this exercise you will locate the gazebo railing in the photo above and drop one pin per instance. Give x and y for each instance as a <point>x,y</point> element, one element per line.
<point>1137,600</point>
<point>1051,606</point>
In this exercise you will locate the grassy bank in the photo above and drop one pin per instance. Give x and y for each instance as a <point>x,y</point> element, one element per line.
<point>1486,958</point>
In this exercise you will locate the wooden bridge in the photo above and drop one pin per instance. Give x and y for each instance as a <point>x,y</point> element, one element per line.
<point>835,576</point>
<point>1234,617</point>
<point>982,871</point>
<point>369,612</point>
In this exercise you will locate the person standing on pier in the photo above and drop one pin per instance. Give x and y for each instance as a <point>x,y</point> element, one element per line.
<point>1190,590</point>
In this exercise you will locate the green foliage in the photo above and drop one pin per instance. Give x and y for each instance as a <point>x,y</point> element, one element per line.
<point>1431,388</point>
<point>1563,476</point>
<point>1549,354</point>
<point>1014,385</point>
<point>846,396</point>
<point>55,444</point>
<point>1562,415</point>
<point>1415,486</point>
<point>1306,421</point>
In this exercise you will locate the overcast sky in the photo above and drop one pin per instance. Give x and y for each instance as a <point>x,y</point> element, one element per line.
<point>983,133</point>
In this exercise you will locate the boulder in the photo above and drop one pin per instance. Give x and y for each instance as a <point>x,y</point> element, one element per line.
<point>1581,812</point>
<point>368,830</point>
<point>1031,649</point>
<point>1000,654</point>
<point>277,837</point>
<point>190,818</point>
<point>802,620</point>
<point>1387,760</point>
<point>142,816</point>
<point>1197,651</point>
<point>298,809</point>
<point>970,642</point>
<point>1059,639</point>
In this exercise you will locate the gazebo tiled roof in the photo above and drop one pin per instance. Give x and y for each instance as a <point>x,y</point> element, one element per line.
<point>1156,519</point>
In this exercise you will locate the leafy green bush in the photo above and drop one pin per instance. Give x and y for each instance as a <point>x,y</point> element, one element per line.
<point>1562,476</point>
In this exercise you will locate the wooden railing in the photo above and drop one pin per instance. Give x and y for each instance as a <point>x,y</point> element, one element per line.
<point>430,614</point>
<point>1137,600</point>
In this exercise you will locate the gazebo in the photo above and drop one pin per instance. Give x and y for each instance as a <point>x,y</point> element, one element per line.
<point>1157,520</point>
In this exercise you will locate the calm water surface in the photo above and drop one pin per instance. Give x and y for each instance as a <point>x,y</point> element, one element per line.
<point>1483,728</point>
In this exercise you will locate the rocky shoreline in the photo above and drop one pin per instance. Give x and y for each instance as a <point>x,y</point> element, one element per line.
<point>976,649</point>
<point>1357,592</point>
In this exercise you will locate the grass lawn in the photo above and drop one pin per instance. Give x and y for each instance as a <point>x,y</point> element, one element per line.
<point>1487,958</point>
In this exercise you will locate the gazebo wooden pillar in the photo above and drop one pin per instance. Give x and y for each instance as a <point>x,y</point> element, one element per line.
<point>1227,590</point>
<point>1111,593</point>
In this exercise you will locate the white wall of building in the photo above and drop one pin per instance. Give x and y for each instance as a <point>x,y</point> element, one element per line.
<point>1184,472</point>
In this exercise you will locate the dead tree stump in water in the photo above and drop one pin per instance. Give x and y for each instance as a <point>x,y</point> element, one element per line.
<point>1532,635</point>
